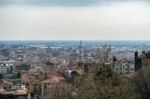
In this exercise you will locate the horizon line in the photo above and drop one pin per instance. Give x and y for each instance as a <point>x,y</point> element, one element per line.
<point>75,40</point>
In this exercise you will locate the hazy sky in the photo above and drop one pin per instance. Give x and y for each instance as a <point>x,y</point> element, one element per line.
<point>74,20</point>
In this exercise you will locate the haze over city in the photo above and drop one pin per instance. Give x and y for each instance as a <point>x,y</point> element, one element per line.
<point>74,20</point>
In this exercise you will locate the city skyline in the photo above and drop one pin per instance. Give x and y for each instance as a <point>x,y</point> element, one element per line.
<point>74,20</point>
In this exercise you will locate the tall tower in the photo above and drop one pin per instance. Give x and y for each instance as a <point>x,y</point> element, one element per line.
<point>80,52</point>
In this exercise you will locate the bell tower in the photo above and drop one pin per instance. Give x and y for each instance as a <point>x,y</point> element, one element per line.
<point>81,52</point>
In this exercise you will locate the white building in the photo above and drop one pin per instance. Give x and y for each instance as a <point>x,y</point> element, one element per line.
<point>7,67</point>
<point>124,67</point>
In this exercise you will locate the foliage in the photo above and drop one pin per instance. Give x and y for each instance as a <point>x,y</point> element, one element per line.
<point>1,76</point>
<point>102,83</point>
<point>19,75</point>
<point>99,84</point>
<point>141,83</point>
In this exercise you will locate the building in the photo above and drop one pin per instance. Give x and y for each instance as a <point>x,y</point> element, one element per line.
<point>9,91</point>
<point>6,68</point>
<point>81,51</point>
<point>124,67</point>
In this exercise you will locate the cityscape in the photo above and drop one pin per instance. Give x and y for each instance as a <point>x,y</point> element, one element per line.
<point>31,69</point>
<point>74,49</point>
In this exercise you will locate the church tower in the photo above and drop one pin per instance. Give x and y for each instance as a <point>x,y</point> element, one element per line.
<point>81,51</point>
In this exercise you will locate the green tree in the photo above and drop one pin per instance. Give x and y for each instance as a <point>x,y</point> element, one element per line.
<point>19,75</point>
<point>1,76</point>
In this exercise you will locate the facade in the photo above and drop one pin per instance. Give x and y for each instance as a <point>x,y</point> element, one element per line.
<point>6,68</point>
<point>10,91</point>
<point>124,67</point>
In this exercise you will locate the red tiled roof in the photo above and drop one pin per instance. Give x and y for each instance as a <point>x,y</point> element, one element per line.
<point>8,92</point>
<point>6,83</point>
<point>25,78</point>
<point>20,92</point>
<point>54,79</point>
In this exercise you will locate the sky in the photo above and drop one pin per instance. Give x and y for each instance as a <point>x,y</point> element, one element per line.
<point>74,19</point>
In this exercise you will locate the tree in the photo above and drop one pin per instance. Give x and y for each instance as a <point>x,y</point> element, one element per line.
<point>103,54</point>
<point>58,91</point>
<point>141,82</point>
<point>1,76</point>
<point>19,75</point>
<point>98,83</point>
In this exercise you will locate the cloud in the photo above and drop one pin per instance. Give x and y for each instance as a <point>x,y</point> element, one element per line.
<point>118,21</point>
<point>62,2</point>
<point>50,2</point>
